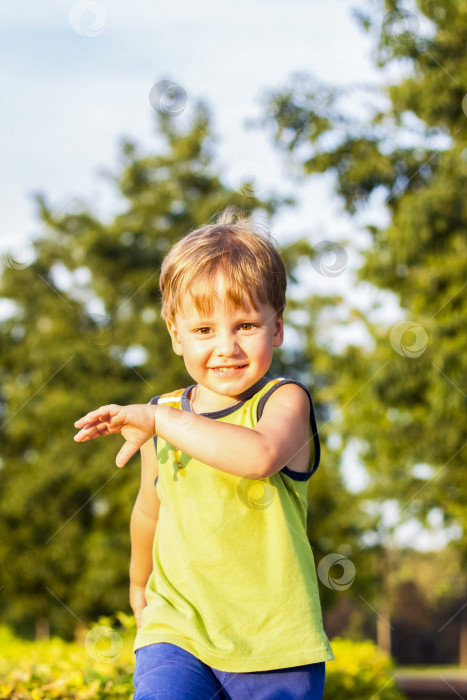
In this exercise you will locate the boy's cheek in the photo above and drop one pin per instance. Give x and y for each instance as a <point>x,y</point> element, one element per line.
<point>197,349</point>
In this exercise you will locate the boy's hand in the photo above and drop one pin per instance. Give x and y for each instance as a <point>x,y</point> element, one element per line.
<point>135,422</point>
<point>137,601</point>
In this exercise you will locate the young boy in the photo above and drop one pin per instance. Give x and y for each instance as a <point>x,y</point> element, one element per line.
<point>224,590</point>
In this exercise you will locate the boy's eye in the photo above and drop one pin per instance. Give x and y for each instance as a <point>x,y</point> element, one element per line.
<point>203,331</point>
<point>247,326</point>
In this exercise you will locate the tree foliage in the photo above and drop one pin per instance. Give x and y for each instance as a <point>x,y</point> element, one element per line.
<point>404,398</point>
<point>85,330</point>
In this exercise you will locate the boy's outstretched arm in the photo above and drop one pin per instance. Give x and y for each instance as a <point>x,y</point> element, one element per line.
<point>282,433</point>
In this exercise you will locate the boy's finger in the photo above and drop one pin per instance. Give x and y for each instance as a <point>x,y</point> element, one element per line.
<point>84,435</point>
<point>98,413</point>
<point>88,418</point>
<point>125,453</point>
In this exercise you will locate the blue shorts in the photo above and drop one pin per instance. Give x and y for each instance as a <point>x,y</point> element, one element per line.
<point>165,671</point>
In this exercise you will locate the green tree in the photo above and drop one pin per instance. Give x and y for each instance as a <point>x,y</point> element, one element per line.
<point>404,398</point>
<point>84,330</point>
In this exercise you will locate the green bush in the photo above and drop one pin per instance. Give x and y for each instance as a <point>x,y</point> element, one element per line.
<point>101,666</point>
<point>360,671</point>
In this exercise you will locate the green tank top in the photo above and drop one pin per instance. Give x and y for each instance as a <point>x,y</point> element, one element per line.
<point>234,580</point>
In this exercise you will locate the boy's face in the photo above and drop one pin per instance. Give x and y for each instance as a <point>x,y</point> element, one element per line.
<point>229,350</point>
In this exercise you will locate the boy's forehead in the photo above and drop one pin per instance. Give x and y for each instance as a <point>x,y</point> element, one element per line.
<point>188,307</point>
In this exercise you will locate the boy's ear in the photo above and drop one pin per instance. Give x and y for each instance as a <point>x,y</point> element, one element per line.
<point>176,345</point>
<point>278,332</point>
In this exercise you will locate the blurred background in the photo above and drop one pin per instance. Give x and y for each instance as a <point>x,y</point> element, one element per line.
<point>341,127</point>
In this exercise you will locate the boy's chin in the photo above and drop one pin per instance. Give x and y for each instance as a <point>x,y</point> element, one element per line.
<point>234,384</point>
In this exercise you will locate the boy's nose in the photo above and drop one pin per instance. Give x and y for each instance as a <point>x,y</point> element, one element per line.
<point>226,345</point>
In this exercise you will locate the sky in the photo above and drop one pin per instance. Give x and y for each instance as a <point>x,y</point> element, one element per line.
<point>76,78</point>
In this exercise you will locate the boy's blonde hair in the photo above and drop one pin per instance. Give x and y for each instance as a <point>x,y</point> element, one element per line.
<point>246,259</point>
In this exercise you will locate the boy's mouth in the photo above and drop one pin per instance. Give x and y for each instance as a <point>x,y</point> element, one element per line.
<point>229,369</point>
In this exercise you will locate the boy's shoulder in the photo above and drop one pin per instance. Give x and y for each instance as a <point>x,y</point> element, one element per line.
<point>274,385</point>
